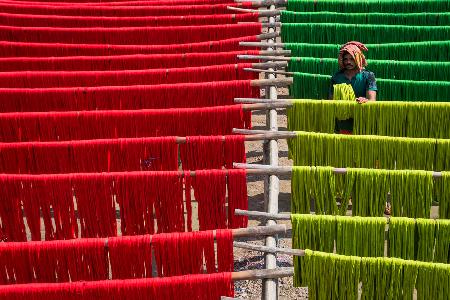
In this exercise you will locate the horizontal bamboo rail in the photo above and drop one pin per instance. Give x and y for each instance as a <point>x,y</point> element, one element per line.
<point>268,65</point>
<point>275,53</point>
<point>259,231</point>
<point>259,3</point>
<point>261,12</point>
<point>267,71</point>
<point>261,214</point>
<point>260,274</point>
<point>261,44</point>
<point>279,82</point>
<point>286,102</point>
<point>275,250</point>
<point>264,57</point>
<point>265,36</point>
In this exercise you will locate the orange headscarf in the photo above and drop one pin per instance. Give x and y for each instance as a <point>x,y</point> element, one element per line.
<point>355,50</point>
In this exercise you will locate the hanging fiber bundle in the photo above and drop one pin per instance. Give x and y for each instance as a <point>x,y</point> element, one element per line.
<point>415,19</point>
<point>119,62</point>
<point>390,90</point>
<point>408,119</point>
<point>343,92</point>
<point>337,33</point>
<point>131,96</point>
<point>384,6</point>
<point>442,248</point>
<point>50,79</point>
<point>411,51</point>
<point>77,125</point>
<point>121,11</point>
<point>388,69</point>
<point>22,49</point>
<point>442,188</point>
<point>212,152</point>
<point>426,236</point>
<point>402,238</point>
<point>84,21</point>
<point>129,35</point>
<point>367,151</point>
<point>201,287</point>
<point>411,191</point>
<point>309,232</point>
<point>107,155</point>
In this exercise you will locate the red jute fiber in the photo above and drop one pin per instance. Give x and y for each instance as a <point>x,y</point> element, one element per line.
<point>121,11</point>
<point>129,35</point>
<point>22,49</point>
<point>78,125</point>
<point>212,152</point>
<point>108,79</point>
<point>200,287</point>
<point>120,62</point>
<point>146,200</point>
<point>103,155</point>
<point>127,257</point>
<point>83,21</point>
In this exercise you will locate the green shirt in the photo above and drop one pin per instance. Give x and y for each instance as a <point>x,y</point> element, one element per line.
<point>361,83</point>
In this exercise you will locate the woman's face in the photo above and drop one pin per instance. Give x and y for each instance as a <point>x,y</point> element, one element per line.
<point>349,62</point>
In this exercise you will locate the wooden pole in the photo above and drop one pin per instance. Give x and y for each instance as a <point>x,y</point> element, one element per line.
<point>265,25</point>
<point>269,71</point>
<point>286,102</point>
<point>266,135</point>
<point>275,53</point>
<point>261,274</point>
<point>260,3</point>
<point>264,57</point>
<point>270,35</point>
<point>256,169</point>
<point>259,231</point>
<point>261,214</point>
<point>260,12</point>
<point>275,82</point>
<point>274,250</point>
<point>273,65</point>
<point>261,44</point>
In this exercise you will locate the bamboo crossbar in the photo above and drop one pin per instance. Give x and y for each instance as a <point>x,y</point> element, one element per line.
<point>264,57</point>
<point>275,53</point>
<point>260,12</point>
<point>257,135</point>
<point>261,214</point>
<point>259,231</point>
<point>257,169</point>
<point>266,24</point>
<point>270,35</point>
<point>287,102</point>
<point>261,3</point>
<point>278,82</point>
<point>267,65</point>
<point>261,44</point>
<point>268,71</point>
<point>274,250</point>
<point>261,274</point>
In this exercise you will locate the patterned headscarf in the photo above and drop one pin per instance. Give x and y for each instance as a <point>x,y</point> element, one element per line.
<point>355,50</point>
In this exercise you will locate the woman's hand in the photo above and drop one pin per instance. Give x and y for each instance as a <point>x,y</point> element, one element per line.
<point>361,100</point>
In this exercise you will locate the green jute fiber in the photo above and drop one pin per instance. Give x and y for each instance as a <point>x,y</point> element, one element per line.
<point>402,237</point>
<point>360,236</point>
<point>442,154</point>
<point>411,193</point>
<point>407,51</point>
<point>340,33</point>
<point>313,185</point>
<point>384,6</point>
<point>365,151</point>
<point>316,86</point>
<point>429,19</point>
<point>442,192</point>
<point>388,69</point>
<point>309,232</point>
<point>343,92</point>
<point>442,248</point>
<point>425,239</point>
<point>333,276</point>
<point>393,118</point>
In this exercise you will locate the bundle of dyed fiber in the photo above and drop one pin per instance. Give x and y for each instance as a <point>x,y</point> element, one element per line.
<point>201,287</point>
<point>425,51</point>
<point>442,188</point>
<point>370,6</point>
<point>83,21</point>
<point>406,70</point>
<point>369,151</point>
<point>425,18</point>
<point>412,191</point>
<point>129,35</point>
<point>390,90</point>
<point>343,92</point>
<point>137,194</point>
<point>409,119</point>
<point>48,79</point>
<point>391,277</point>
<point>129,97</point>
<point>112,155</point>
<point>120,11</point>
<point>367,33</point>
<point>78,125</point>
<point>101,259</point>
<point>212,152</point>
<point>119,62</point>
<point>18,49</point>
